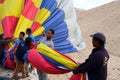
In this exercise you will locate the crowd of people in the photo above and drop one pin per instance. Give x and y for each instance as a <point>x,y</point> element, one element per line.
<point>22,45</point>
<point>95,66</point>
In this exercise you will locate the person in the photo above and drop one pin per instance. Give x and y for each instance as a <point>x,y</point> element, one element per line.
<point>29,34</point>
<point>3,41</point>
<point>20,39</point>
<point>96,64</point>
<point>20,65</point>
<point>47,41</point>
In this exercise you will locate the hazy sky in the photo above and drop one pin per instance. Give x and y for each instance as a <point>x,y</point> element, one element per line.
<point>88,4</point>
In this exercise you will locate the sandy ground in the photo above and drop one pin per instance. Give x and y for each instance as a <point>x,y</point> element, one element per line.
<point>102,19</point>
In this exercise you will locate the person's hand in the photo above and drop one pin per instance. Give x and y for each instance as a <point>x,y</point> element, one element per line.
<point>11,37</point>
<point>8,38</point>
<point>13,40</point>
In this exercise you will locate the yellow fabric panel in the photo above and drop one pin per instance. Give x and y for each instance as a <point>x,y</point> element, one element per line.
<point>37,3</point>
<point>0,11</point>
<point>39,31</point>
<point>22,25</point>
<point>1,31</point>
<point>42,15</point>
<point>12,8</point>
<point>43,49</point>
<point>10,44</point>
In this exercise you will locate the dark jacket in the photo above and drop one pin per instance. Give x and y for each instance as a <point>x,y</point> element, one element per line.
<point>95,65</point>
<point>2,45</point>
<point>21,50</point>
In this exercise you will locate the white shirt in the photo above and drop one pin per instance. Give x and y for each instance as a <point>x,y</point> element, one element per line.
<point>46,42</point>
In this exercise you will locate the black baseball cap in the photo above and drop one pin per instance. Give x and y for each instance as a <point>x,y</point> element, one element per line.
<point>99,36</point>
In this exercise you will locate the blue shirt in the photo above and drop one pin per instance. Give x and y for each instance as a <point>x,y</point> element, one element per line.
<point>17,42</point>
<point>32,37</point>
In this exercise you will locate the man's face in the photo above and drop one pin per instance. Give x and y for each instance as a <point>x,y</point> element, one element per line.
<point>49,35</point>
<point>21,36</point>
<point>27,32</point>
<point>95,42</point>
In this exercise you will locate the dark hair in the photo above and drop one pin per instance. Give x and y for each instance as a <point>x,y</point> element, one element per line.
<point>102,43</point>
<point>28,40</point>
<point>22,33</point>
<point>28,30</point>
<point>53,32</point>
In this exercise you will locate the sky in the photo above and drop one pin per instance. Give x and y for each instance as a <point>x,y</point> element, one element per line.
<point>89,4</point>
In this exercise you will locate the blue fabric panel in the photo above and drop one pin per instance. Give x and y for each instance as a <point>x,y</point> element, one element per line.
<point>55,19</point>
<point>49,4</point>
<point>65,47</point>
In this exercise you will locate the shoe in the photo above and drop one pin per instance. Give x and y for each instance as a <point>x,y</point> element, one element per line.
<point>23,76</point>
<point>15,77</point>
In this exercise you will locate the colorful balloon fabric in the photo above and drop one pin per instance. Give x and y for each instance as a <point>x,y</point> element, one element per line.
<point>39,15</point>
<point>45,65</point>
<point>41,64</point>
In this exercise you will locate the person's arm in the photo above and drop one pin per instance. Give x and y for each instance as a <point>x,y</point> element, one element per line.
<point>89,65</point>
<point>8,38</point>
<point>4,41</point>
<point>13,46</point>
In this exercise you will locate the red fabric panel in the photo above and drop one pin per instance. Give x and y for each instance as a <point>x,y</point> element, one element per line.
<point>30,10</point>
<point>41,64</point>
<point>1,1</point>
<point>6,47</point>
<point>10,64</point>
<point>32,45</point>
<point>35,26</point>
<point>78,77</point>
<point>9,24</point>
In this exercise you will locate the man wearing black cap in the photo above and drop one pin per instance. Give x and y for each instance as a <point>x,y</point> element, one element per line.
<point>96,64</point>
